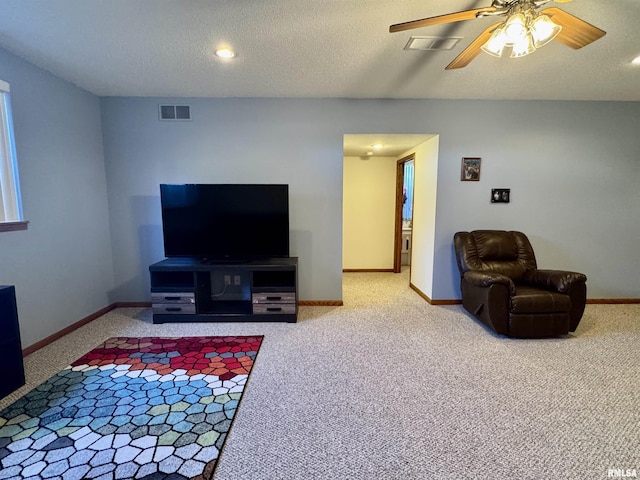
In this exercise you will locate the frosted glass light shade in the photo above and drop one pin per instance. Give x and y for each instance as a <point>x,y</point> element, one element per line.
<point>523,47</point>
<point>543,30</point>
<point>496,43</point>
<point>515,28</point>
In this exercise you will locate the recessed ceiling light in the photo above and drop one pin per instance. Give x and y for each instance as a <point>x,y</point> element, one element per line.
<point>225,53</point>
<point>636,61</point>
<point>377,146</point>
<point>369,153</point>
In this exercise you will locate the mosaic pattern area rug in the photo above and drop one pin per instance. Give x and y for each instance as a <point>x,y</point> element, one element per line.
<point>134,408</point>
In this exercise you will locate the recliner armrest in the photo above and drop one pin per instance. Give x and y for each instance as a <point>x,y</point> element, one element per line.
<point>558,280</point>
<point>486,279</point>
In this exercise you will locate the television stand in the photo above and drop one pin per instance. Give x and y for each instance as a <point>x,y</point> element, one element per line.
<point>199,290</point>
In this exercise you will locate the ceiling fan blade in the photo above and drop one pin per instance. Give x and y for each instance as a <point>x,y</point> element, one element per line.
<point>440,19</point>
<point>472,50</point>
<point>575,33</point>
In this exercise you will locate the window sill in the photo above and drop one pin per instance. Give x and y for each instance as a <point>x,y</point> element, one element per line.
<point>13,226</point>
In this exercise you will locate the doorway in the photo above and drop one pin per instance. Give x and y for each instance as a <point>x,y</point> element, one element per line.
<point>372,219</point>
<point>405,169</point>
<point>372,226</point>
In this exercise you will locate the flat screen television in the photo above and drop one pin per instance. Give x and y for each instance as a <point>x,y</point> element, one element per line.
<point>225,221</point>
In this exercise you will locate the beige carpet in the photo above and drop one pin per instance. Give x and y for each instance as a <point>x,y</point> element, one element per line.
<point>389,387</point>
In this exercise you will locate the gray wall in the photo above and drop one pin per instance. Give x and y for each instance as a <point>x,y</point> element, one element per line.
<point>61,266</point>
<point>228,141</point>
<point>573,168</point>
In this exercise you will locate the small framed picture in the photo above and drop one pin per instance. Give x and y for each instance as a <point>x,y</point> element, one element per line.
<point>470,169</point>
<point>500,195</point>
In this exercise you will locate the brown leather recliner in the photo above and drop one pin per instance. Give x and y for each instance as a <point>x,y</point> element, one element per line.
<point>502,286</point>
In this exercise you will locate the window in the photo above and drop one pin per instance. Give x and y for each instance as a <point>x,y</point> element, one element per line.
<point>10,203</point>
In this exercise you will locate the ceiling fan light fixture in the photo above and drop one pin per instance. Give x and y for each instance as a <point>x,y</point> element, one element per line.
<point>543,30</point>
<point>496,43</point>
<point>524,31</point>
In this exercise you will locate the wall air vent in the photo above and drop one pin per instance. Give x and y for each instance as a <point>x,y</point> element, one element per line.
<point>432,43</point>
<point>175,113</point>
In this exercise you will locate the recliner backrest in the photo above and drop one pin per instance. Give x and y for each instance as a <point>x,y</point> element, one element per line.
<point>505,252</point>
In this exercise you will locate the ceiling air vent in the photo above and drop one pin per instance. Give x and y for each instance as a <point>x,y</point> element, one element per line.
<point>432,43</point>
<point>175,113</point>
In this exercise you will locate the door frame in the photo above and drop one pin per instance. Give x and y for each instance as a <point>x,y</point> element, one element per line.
<point>397,243</point>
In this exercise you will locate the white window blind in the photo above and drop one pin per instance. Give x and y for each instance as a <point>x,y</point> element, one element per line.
<point>10,203</point>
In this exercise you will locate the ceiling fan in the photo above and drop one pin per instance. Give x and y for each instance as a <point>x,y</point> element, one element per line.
<point>524,30</point>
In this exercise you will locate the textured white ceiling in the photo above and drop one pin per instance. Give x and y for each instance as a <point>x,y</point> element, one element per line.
<point>320,48</point>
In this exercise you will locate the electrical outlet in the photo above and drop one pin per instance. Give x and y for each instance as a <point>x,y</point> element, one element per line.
<point>227,279</point>
<point>236,279</point>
